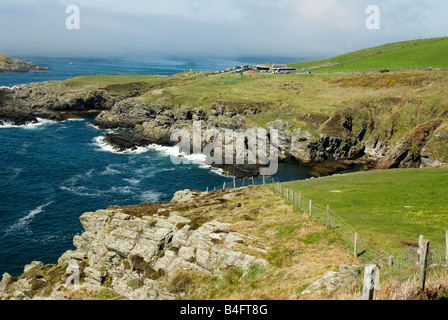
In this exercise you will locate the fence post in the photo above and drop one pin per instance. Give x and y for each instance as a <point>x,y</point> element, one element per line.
<point>287,194</point>
<point>391,260</point>
<point>421,239</point>
<point>207,190</point>
<point>355,252</point>
<point>311,207</point>
<point>292,196</point>
<point>244,180</point>
<point>253,181</point>
<point>264,180</point>
<point>234,183</point>
<point>369,282</point>
<point>423,264</point>
<point>328,216</point>
<point>224,186</point>
<point>300,200</point>
<point>446,244</point>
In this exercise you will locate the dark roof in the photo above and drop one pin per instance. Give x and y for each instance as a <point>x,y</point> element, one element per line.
<point>278,66</point>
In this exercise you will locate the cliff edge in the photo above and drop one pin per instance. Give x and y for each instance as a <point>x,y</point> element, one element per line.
<point>224,244</point>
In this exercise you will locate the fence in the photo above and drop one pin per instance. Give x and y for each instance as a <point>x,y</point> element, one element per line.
<point>384,276</point>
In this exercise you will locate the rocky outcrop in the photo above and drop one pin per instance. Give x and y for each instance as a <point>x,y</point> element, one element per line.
<point>134,256</point>
<point>333,280</point>
<point>358,136</point>
<point>348,139</point>
<point>50,101</point>
<point>409,151</point>
<point>8,64</point>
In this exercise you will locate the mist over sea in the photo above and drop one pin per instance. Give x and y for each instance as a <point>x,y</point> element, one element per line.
<point>53,172</point>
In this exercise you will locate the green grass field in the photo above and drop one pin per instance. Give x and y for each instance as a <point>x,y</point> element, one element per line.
<point>415,54</point>
<point>388,208</point>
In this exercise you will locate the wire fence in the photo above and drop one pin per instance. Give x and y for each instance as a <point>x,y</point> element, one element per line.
<point>396,277</point>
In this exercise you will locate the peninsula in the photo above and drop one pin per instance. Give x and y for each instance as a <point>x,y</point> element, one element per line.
<point>8,64</point>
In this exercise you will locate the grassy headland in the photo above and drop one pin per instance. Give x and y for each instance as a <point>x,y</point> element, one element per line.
<point>306,101</point>
<point>8,64</point>
<point>414,54</point>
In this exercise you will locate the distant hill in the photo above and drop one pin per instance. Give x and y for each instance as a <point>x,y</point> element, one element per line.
<point>414,54</point>
<point>8,64</point>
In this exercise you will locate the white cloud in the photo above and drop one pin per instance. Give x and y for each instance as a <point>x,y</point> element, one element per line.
<point>301,28</point>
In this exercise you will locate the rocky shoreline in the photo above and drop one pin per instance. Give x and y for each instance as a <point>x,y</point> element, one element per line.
<point>8,64</point>
<point>134,253</point>
<point>340,145</point>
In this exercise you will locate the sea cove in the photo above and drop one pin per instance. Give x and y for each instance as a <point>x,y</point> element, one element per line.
<point>52,172</point>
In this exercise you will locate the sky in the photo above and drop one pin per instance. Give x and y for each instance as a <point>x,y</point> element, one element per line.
<point>213,28</point>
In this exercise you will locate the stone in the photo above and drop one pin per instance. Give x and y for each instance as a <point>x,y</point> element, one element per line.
<point>122,247</point>
<point>187,253</point>
<point>94,276</point>
<point>113,239</point>
<point>6,279</point>
<point>183,196</point>
<point>32,265</point>
<point>332,280</point>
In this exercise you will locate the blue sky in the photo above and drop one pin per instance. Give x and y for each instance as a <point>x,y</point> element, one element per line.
<point>213,28</point>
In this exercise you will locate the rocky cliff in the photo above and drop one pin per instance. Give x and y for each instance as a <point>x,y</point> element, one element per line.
<point>380,133</point>
<point>352,137</point>
<point>135,252</point>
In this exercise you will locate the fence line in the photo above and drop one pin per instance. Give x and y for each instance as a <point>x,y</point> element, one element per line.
<point>396,276</point>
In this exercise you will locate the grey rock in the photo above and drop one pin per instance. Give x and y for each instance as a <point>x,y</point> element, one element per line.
<point>32,265</point>
<point>94,276</point>
<point>4,283</point>
<point>183,196</point>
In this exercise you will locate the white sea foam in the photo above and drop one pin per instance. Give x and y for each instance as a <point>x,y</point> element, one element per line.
<point>198,159</point>
<point>26,219</point>
<point>75,119</point>
<point>29,125</point>
<point>175,152</point>
<point>109,171</point>
<point>71,185</point>
<point>150,196</point>
<point>10,88</point>
<point>133,182</point>
<point>104,146</point>
<point>120,190</point>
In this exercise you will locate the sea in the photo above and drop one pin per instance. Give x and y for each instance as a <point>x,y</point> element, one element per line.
<point>53,172</point>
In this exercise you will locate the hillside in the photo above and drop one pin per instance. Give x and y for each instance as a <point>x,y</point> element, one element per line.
<point>329,121</point>
<point>8,64</point>
<point>415,54</point>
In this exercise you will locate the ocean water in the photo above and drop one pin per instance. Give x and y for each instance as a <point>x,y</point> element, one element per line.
<point>65,68</point>
<point>53,172</point>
